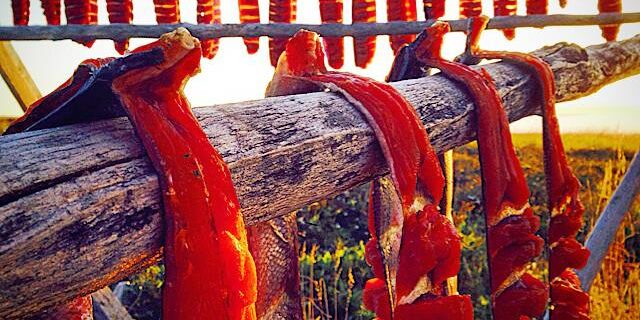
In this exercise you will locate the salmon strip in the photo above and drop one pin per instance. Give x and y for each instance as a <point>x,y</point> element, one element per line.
<point>511,225</point>
<point>120,11</point>
<point>250,13</point>
<point>363,48</point>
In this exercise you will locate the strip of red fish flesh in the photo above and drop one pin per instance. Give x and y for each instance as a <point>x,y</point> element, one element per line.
<point>411,194</point>
<point>209,270</point>
<point>401,10</point>
<point>503,8</point>
<point>250,13</point>
<point>20,12</point>
<point>564,205</point>
<point>51,10</point>
<point>167,11</point>
<point>82,12</point>
<point>470,8</point>
<point>280,11</point>
<point>537,6</point>
<point>505,192</point>
<point>208,13</point>
<point>610,31</point>
<point>331,12</point>
<point>364,48</point>
<point>120,11</point>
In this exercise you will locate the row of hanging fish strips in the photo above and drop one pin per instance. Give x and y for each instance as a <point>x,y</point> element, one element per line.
<point>284,11</point>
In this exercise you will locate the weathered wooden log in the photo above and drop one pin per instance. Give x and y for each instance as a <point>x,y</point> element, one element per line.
<point>106,306</point>
<point>80,205</point>
<point>285,30</point>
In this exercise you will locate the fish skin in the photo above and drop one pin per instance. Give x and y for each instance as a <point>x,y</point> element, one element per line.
<point>274,247</point>
<point>388,220</point>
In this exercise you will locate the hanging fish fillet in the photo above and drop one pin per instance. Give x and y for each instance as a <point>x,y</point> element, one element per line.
<point>208,13</point>
<point>274,247</point>
<point>565,207</point>
<point>210,273</point>
<point>511,239</point>
<point>430,246</point>
<point>537,6</point>
<point>250,13</point>
<point>407,66</point>
<point>281,11</point>
<point>120,11</point>
<point>470,8</point>
<point>167,11</point>
<point>82,12</point>
<point>51,10</point>
<point>363,48</point>
<point>433,9</point>
<point>401,10</point>
<point>610,31</point>
<point>20,12</point>
<point>503,8</point>
<point>331,12</point>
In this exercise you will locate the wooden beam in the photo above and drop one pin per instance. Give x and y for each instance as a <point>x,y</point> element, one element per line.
<point>17,77</point>
<point>123,31</point>
<point>604,232</point>
<point>83,210</point>
<point>108,307</point>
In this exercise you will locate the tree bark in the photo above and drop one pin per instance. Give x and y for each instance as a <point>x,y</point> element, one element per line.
<point>80,205</point>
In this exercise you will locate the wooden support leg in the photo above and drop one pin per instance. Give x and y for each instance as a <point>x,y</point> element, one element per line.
<point>446,205</point>
<point>106,306</point>
<point>17,77</point>
<point>604,232</point>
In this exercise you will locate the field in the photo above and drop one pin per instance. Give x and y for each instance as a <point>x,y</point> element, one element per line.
<point>333,232</point>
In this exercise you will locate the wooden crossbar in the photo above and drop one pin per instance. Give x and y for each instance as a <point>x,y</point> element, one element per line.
<point>123,31</point>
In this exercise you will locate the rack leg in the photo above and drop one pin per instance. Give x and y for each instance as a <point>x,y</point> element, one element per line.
<point>17,77</point>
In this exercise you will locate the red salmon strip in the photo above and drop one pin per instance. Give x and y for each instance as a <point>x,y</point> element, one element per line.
<point>511,239</point>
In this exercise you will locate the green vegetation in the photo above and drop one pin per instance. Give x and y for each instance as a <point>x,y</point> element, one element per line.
<point>332,233</point>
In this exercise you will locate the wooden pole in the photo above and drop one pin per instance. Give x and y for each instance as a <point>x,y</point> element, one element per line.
<point>604,232</point>
<point>124,31</point>
<point>82,210</point>
<point>106,306</point>
<point>17,77</point>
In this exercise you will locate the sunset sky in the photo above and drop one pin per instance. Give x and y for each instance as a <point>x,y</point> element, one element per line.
<point>233,75</point>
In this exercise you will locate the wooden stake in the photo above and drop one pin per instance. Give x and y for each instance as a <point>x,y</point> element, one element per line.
<point>284,30</point>
<point>17,77</point>
<point>604,232</point>
<point>109,306</point>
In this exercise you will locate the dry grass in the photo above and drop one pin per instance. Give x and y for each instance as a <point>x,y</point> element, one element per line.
<point>615,293</point>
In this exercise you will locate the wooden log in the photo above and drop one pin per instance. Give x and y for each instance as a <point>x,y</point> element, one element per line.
<point>81,209</point>
<point>604,232</point>
<point>17,77</point>
<point>285,30</point>
<point>106,306</point>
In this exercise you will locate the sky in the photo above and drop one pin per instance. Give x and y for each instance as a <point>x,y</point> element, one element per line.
<point>233,75</point>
